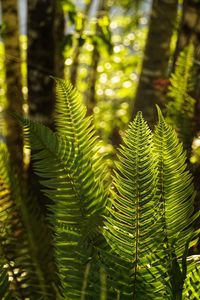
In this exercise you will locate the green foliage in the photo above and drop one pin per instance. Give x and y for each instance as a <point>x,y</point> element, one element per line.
<point>129,240</point>
<point>131,227</point>
<point>4,284</point>
<point>118,40</point>
<point>25,246</point>
<point>72,176</point>
<point>175,186</point>
<point>152,210</point>
<point>176,193</point>
<point>180,107</point>
<point>192,282</point>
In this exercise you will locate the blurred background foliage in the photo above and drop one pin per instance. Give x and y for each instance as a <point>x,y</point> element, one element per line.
<point>110,40</point>
<point>102,46</point>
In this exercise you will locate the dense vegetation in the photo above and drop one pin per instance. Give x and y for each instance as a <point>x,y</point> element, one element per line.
<point>99,184</point>
<point>130,239</point>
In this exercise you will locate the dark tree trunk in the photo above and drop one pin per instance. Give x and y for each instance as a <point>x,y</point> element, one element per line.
<point>151,87</point>
<point>59,28</point>
<point>13,81</point>
<point>44,58</point>
<point>45,32</point>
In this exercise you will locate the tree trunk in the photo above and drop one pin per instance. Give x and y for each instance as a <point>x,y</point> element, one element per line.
<point>44,58</point>
<point>45,32</point>
<point>59,28</point>
<point>13,81</point>
<point>151,87</point>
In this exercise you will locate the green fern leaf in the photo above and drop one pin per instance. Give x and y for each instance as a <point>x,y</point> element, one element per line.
<point>176,188</point>
<point>192,282</point>
<point>78,195</point>
<point>72,123</point>
<point>133,228</point>
<point>12,241</point>
<point>176,192</point>
<point>21,242</point>
<point>180,107</point>
<point>4,284</point>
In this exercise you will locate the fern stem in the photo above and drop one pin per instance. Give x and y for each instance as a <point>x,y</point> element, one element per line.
<point>178,295</point>
<point>137,227</point>
<point>103,295</point>
<point>85,281</point>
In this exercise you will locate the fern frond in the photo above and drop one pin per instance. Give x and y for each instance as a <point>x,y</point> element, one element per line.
<point>77,196</point>
<point>180,107</point>
<point>176,192</point>
<point>72,123</point>
<point>192,282</point>
<point>133,228</point>
<point>21,241</point>
<point>4,284</point>
<point>176,188</point>
<point>12,241</point>
<point>69,111</point>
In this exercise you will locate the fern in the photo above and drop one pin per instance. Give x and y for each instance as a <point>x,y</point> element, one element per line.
<point>4,284</point>
<point>23,246</point>
<point>180,107</point>
<point>72,176</point>
<point>176,192</point>
<point>72,123</point>
<point>192,282</point>
<point>127,241</point>
<point>133,227</point>
<point>11,231</point>
<point>152,208</point>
